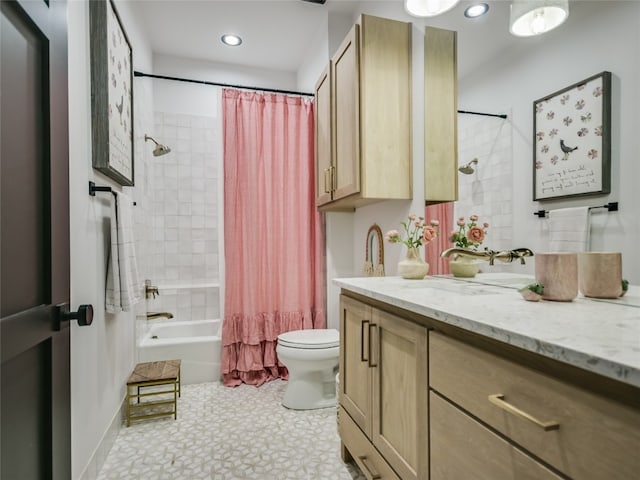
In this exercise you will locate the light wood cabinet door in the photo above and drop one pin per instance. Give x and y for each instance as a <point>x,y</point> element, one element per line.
<point>462,448</point>
<point>441,115</point>
<point>345,67</point>
<point>355,373</point>
<point>400,424</point>
<point>323,140</point>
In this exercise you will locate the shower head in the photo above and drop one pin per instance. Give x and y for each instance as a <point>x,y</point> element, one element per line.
<point>160,148</point>
<point>468,169</point>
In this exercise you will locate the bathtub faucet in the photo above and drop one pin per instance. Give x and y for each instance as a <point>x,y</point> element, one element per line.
<point>153,315</point>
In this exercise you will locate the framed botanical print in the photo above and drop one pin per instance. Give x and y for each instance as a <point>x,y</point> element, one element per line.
<point>111,93</point>
<point>572,140</point>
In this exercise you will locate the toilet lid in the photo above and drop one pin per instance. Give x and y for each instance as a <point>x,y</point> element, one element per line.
<point>312,338</point>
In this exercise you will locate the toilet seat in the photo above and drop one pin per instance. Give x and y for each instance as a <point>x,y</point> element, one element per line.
<point>310,339</point>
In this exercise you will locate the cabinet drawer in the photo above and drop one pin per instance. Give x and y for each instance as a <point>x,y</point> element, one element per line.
<point>363,452</point>
<point>595,438</point>
<point>461,449</point>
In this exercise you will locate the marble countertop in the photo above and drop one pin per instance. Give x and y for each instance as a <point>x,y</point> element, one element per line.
<point>601,336</point>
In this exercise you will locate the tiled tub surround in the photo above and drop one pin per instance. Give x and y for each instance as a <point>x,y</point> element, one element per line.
<point>487,192</point>
<point>186,208</point>
<point>598,336</point>
<point>195,301</point>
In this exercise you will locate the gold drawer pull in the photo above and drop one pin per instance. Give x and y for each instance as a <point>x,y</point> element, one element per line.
<point>372,473</point>
<point>498,400</point>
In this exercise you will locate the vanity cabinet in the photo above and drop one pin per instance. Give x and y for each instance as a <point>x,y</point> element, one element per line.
<point>421,398</point>
<point>490,414</point>
<point>363,117</point>
<point>383,392</point>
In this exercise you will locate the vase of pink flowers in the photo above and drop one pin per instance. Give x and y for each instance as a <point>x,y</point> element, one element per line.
<point>416,233</point>
<point>469,235</point>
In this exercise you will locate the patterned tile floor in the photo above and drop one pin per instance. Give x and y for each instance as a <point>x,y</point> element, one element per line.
<point>223,433</point>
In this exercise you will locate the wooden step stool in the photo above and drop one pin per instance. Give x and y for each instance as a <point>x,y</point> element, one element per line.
<point>153,374</point>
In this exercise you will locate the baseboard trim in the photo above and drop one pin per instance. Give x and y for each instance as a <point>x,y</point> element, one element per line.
<point>95,463</point>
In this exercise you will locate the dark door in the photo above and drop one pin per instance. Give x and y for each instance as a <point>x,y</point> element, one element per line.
<point>34,241</point>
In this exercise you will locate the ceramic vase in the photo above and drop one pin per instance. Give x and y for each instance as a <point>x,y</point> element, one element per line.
<point>600,274</point>
<point>413,266</point>
<point>558,273</point>
<point>464,267</point>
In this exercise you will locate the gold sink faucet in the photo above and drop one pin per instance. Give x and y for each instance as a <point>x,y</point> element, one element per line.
<point>506,256</point>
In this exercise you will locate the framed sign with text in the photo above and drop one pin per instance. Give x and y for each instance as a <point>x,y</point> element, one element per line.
<point>572,140</point>
<point>111,93</point>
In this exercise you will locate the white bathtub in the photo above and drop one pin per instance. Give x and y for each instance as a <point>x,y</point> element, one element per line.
<point>197,343</point>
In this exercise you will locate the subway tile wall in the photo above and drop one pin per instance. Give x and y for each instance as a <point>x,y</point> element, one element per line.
<point>488,191</point>
<point>185,214</point>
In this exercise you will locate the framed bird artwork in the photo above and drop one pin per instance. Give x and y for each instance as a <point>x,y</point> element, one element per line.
<point>572,140</point>
<point>111,93</point>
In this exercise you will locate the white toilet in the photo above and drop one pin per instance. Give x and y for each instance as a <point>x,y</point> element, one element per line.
<point>311,356</point>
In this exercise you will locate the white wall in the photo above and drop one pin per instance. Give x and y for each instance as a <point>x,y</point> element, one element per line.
<point>598,36</point>
<point>102,355</point>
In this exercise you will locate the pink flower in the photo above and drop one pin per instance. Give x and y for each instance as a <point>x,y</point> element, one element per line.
<point>392,236</point>
<point>418,224</point>
<point>485,225</point>
<point>434,223</point>
<point>475,235</point>
<point>460,222</point>
<point>473,218</point>
<point>429,233</point>
<point>412,217</point>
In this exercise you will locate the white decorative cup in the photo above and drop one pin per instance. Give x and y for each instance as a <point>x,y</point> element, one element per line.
<point>600,274</point>
<point>558,274</point>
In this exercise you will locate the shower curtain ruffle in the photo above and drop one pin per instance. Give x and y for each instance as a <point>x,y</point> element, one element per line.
<point>249,344</point>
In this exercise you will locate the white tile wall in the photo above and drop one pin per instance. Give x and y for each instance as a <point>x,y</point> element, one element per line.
<point>179,226</point>
<point>488,191</point>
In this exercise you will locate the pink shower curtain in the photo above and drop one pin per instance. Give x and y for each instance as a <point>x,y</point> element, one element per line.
<point>444,213</point>
<point>274,235</point>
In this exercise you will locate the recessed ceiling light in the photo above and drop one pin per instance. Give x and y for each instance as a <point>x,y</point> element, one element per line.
<point>231,40</point>
<point>476,10</point>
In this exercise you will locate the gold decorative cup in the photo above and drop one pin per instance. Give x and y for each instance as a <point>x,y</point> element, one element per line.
<point>600,274</point>
<point>558,273</point>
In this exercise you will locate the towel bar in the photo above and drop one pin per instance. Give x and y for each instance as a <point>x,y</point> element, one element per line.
<point>93,188</point>
<point>611,207</point>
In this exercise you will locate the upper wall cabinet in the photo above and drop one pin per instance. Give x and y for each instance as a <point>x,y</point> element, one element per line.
<point>363,118</point>
<point>441,116</point>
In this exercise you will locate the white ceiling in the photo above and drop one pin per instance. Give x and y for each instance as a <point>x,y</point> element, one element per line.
<point>277,33</point>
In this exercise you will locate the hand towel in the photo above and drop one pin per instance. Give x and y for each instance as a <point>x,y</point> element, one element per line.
<point>123,283</point>
<point>569,229</point>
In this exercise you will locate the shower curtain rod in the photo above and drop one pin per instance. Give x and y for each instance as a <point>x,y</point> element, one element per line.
<point>217,84</point>
<point>499,115</point>
<point>272,90</point>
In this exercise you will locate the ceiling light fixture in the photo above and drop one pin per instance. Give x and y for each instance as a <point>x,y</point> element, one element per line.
<point>231,39</point>
<point>428,8</point>
<point>534,17</point>
<point>476,10</point>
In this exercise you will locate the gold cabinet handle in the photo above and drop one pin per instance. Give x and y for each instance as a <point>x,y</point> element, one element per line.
<point>498,400</point>
<point>371,363</point>
<point>334,179</point>
<point>362,329</point>
<point>327,171</point>
<point>372,473</point>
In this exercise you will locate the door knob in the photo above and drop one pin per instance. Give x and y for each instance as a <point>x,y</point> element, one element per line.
<point>84,315</point>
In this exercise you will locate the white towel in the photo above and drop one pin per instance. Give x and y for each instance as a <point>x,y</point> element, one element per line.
<point>569,229</point>
<point>123,284</point>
